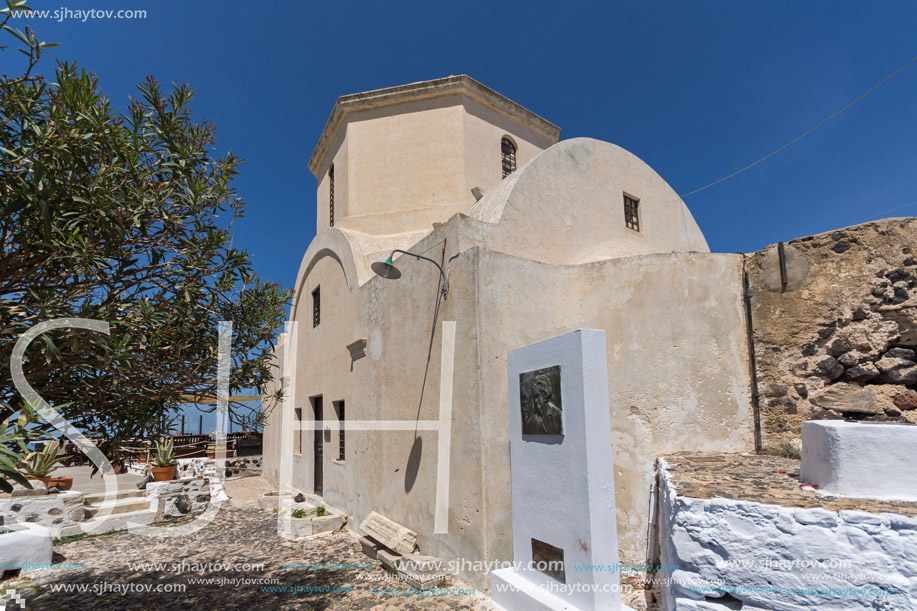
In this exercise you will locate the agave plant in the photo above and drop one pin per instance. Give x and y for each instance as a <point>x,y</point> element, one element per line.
<point>163,456</point>
<point>41,463</point>
<point>14,440</point>
<point>11,436</point>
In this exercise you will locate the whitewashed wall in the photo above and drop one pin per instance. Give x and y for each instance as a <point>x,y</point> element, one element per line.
<point>769,557</point>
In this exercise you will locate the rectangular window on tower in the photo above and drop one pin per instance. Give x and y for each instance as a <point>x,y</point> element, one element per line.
<point>632,212</point>
<point>331,195</point>
<point>339,408</point>
<point>316,306</point>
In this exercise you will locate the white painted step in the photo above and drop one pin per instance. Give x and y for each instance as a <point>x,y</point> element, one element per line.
<point>125,505</point>
<point>98,497</point>
<point>100,526</point>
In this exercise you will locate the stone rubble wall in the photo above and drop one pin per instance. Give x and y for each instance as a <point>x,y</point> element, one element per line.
<point>51,510</point>
<point>196,467</point>
<point>836,336</point>
<point>178,498</point>
<point>724,555</point>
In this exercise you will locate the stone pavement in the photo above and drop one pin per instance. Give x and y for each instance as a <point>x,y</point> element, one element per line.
<point>328,572</point>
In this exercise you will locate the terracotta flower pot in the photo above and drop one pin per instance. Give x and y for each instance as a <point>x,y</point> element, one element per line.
<point>64,483</point>
<point>163,474</point>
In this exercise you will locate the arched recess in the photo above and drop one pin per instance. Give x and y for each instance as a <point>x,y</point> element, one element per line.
<point>323,363</point>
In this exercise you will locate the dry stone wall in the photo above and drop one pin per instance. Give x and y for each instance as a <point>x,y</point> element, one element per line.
<point>834,319</point>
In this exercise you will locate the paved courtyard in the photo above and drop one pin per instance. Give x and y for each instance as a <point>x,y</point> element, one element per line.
<point>236,562</point>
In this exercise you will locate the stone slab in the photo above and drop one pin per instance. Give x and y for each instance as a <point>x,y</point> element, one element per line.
<point>370,547</point>
<point>271,501</point>
<point>860,459</point>
<point>421,572</point>
<point>38,489</point>
<point>389,559</point>
<point>313,525</point>
<point>391,534</point>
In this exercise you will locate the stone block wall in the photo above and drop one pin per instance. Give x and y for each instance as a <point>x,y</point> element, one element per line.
<point>835,331</point>
<point>179,497</point>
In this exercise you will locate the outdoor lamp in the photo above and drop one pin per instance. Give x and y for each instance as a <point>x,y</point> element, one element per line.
<point>387,269</point>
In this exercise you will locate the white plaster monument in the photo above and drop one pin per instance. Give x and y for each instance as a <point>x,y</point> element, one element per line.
<point>562,472</point>
<point>848,458</point>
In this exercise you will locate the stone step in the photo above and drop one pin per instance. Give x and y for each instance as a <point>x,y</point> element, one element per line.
<point>98,497</point>
<point>100,526</point>
<point>125,505</point>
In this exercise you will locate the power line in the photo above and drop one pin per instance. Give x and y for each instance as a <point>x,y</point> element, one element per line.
<point>801,136</point>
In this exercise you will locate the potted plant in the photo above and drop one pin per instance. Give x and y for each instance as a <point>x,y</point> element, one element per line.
<point>38,465</point>
<point>163,466</point>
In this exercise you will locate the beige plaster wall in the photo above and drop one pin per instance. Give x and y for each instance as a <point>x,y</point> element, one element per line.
<point>678,376</point>
<point>323,368</point>
<point>341,187</point>
<point>403,166</point>
<point>484,128</point>
<point>677,363</point>
<point>406,156</point>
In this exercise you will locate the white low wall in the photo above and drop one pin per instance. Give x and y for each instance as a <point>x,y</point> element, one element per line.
<point>51,510</point>
<point>724,555</point>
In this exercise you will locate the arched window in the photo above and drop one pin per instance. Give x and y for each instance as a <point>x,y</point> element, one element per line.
<point>508,151</point>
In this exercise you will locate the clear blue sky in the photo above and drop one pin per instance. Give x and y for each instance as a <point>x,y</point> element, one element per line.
<point>697,89</point>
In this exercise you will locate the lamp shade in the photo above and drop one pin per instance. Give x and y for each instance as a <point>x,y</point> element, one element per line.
<point>386,269</point>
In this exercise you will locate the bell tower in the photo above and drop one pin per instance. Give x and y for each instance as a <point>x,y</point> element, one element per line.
<point>399,159</point>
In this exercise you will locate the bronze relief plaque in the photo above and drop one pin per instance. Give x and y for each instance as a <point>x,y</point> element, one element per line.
<point>542,410</point>
<point>549,560</point>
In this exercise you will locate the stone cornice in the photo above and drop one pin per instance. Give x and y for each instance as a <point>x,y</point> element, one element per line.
<point>424,90</point>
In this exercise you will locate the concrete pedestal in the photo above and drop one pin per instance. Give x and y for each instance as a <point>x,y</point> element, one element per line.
<point>564,524</point>
<point>860,459</point>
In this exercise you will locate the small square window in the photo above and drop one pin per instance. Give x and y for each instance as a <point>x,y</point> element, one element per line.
<point>632,212</point>
<point>316,307</point>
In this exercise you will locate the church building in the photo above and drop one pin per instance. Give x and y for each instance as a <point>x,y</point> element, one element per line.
<point>497,234</point>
